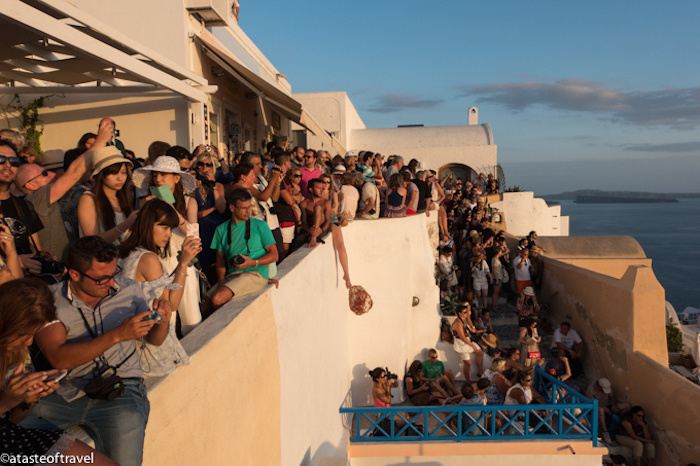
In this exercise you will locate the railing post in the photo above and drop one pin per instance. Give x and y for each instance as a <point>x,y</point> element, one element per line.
<point>594,427</point>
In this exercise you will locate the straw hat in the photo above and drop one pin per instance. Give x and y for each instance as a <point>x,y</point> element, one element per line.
<point>528,291</point>
<point>338,170</point>
<point>52,159</point>
<point>106,157</point>
<point>489,339</point>
<point>604,385</point>
<point>163,164</point>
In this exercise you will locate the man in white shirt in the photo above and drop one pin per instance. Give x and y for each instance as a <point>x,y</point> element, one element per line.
<point>568,342</point>
<point>521,266</point>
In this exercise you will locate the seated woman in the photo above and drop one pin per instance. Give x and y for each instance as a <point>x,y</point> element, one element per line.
<point>166,172</point>
<point>26,305</point>
<point>381,391</point>
<point>463,344</point>
<point>140,259</point>
<point>634,433</point>
<point>496,392</point>
<point>522,393</point>
<point>288,211</point>
<point>423,393</point>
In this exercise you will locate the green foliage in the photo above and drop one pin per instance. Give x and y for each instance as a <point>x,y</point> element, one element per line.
<point>513,189</point>
<point>674,338</point>
<point>28,116</point>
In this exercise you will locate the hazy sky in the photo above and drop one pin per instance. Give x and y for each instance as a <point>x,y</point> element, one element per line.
<point>578,94</point>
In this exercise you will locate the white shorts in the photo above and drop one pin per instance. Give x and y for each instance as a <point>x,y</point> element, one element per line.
<point>480,285</point>
<point>287,234</point>
<point>463,349</point>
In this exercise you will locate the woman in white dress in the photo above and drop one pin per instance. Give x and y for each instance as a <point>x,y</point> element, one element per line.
<point>106,210</point>
<point>140,260</point>
<point>166,171</point>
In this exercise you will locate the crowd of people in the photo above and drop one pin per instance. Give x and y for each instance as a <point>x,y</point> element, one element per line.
<point>475,268</point>
<point>139,251</point>
<point>129,254</point>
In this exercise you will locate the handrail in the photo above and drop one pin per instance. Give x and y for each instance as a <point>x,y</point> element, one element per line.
<point>575,418</point>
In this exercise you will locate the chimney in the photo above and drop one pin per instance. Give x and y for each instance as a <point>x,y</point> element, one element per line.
<point>473,117</point>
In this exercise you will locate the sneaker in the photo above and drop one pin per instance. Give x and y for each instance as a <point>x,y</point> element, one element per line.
<point>606,438</point>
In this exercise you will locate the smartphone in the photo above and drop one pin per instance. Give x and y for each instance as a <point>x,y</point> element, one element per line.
<point>154,316</point>
<point>192,229</point>
<point>163,192</point>
<point>60,377</point>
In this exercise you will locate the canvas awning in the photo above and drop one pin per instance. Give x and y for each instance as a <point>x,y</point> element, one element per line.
<point>215,50</point>
<point>52,46</point>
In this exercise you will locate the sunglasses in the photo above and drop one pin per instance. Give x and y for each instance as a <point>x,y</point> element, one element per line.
<point>205,164</point>
<point>296,176</point>
<point>14,161</point>
<point>43,173</point>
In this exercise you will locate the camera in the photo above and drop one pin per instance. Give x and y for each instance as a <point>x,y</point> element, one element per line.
<point>389,375</point>
<point>206,181</point>
<point>237,260</point>
<point>48,266</point>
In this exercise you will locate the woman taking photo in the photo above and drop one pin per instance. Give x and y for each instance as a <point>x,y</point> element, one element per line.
<point>481,278</point>
<point>26,305</point>
<point>500,274</point>
<point>166,172</point>
<point>144,251</point>
<point>106,210</point>
<point>463,344</point>
<point>381,392</point>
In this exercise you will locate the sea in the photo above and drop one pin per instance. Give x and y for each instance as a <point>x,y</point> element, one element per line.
<point>668,233</point>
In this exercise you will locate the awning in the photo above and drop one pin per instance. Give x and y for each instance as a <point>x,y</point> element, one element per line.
<point>53,46</point>
<point>268,91</point>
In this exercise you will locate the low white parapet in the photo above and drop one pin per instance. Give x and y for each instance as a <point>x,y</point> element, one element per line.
<point>523,212</point>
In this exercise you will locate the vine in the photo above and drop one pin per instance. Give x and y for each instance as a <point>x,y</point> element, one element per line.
<point>28,116</point>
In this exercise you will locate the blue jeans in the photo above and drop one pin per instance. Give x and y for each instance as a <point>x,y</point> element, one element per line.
<point>118,427</point>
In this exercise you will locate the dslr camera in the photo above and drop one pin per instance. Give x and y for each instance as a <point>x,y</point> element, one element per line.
<point>237,260</point>
<point>48,265</point>
<point>389,375</point>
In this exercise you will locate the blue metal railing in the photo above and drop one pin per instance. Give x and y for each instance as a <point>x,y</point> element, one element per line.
<point>569,415</point>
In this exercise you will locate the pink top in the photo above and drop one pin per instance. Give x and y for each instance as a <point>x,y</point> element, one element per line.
<point>378,403</point>
<point>307,175</point>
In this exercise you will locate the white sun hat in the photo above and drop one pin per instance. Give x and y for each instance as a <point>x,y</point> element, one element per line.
<point>163,164</point>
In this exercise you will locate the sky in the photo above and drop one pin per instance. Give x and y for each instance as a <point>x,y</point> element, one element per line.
<point>595,94</point>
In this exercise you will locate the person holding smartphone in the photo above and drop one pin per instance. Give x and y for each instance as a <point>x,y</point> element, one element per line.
<point>26,305</point>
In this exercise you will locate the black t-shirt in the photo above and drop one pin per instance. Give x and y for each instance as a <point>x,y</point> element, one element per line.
<point>20,217</point>
<point>285,212</point>
<point>423,194</point>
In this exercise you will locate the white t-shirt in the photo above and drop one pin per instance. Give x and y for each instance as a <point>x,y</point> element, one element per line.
<point>479,273</point>
<point>370,191</point>
<point>348,204</point>
<point>568,340</point>
<point>523,273</point>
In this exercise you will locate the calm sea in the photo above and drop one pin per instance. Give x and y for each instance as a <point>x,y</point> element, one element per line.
<point>668,233</point>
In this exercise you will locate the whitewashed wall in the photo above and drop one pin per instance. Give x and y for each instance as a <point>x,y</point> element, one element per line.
<point>325,351</point>
<point>524,213</point>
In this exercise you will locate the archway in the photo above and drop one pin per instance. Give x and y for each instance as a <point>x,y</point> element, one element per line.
<point>457,170</point>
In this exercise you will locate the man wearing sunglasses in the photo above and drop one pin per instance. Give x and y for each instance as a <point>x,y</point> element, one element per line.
<point>99,324</point>
<point>18,215</point>
<point>44,190</point>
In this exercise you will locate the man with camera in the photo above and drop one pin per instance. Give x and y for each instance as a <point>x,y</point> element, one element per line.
<point>244,247</point>
<point>18,215</point>
<point>44,190</point>
<point>94,337</point>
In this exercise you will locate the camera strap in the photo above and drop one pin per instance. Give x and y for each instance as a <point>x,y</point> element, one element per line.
<point>247,235</point>
<point>101,357</point>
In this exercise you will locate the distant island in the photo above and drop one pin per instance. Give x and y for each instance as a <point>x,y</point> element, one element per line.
<point>622,200</point>
<point>597,196</point>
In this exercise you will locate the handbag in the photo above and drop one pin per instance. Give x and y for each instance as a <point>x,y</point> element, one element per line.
<point>504,275</point>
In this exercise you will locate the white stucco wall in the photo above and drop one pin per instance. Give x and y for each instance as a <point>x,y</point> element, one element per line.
<point>524,212</point>
<point>434,147</point>
<point>334,112</point>
<point>326,351</point>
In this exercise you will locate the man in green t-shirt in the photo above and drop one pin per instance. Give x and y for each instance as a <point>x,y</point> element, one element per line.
<point>434,371</point>
<point>244,247</point>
